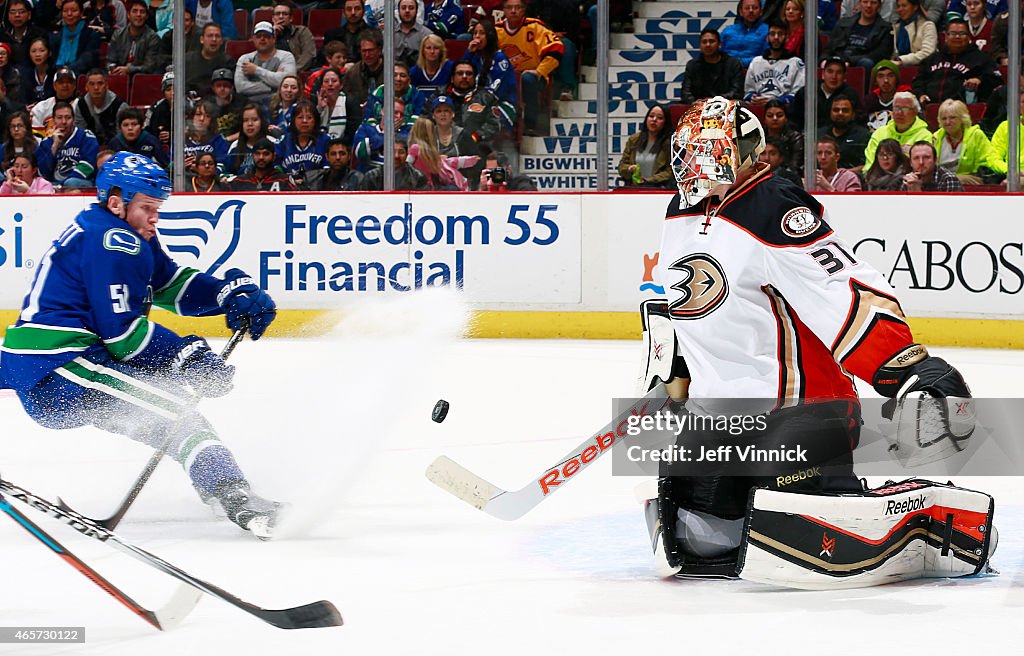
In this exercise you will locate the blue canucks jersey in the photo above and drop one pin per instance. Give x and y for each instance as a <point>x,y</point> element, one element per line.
<point>292,158</point>
<point>92,290</point>
<point>76,158</point>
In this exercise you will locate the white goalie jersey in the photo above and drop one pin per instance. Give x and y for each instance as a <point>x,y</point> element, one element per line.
<point>767,302</point>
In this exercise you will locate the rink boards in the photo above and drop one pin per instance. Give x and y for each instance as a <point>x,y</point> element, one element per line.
<point>541,264</point>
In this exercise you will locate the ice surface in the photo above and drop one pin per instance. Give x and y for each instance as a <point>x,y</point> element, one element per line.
<point>341,427</point>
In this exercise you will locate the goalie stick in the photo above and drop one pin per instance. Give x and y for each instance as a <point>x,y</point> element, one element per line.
<point>455,479</point>
<point>314,615</point>
<point>163,618</point>
<point>158,455</point>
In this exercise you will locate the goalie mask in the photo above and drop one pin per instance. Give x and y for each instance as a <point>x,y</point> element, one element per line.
<point>714,140</point>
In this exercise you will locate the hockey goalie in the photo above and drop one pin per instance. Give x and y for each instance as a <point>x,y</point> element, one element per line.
<point>765,301</point>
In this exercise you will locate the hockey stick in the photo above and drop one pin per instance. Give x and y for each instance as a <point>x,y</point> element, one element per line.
<point>455,479</point>
<point>165,617</point>
<point>314,615</point>
<point>158,455</point>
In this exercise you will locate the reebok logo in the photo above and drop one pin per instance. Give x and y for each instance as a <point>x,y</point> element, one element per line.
<point>566,469</point>
<point>893,507</point>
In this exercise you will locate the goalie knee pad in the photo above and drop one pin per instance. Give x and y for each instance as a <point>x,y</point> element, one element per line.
<point>907,530</point>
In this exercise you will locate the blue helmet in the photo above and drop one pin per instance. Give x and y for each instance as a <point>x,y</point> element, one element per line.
<point>132,174</point>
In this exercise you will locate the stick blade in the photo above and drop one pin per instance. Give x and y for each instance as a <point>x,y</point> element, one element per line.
<point>318,614</point>
<point>458,481</point>
<point>181,604</point>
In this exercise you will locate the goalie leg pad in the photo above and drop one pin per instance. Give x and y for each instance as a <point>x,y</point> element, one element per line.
<point>907,530</point>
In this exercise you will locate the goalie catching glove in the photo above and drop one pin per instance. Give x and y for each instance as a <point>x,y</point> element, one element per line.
<point>930,405</point>
<point>244,303</point>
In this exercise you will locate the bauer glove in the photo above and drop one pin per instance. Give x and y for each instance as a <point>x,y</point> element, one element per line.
<point>203,370</point>
<point>245,303</point>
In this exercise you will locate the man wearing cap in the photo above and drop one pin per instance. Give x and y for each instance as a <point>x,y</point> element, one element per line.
<point>475,109</point>
<point>258,74</point>
<point>863,38</point>
<point>135,48</point>
<point>229,103</point>
<point>20,30</point>
<point>160,117</point>
<point>296,39</point>
<point>885,82</point>
<point>265,176</point>
<point>221,12</point>
<point>200,65</point>
<point>74,44</point>
<point>64,81</point>
<point>97,109</point>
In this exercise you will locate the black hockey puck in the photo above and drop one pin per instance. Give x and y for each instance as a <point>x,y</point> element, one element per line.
<point>440,411</point>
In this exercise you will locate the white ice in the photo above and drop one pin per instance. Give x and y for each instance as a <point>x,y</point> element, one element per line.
<point>341,427</point>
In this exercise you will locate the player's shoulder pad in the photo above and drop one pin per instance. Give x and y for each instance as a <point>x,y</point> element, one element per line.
<point>779,213</point>
<point>122,240</point>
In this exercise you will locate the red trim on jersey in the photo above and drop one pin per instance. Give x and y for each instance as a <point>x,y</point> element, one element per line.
<point>822,376</point>
<point>817,373</point>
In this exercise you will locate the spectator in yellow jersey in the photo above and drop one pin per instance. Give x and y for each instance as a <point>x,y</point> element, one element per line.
<point>535,52</point>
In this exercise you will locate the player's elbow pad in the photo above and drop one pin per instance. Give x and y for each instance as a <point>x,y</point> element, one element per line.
<point>913,370</point>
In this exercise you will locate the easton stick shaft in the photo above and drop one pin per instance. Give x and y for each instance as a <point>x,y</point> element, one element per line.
<point>314,615</point>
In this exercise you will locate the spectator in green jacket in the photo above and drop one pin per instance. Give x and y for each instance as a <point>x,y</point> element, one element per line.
<point>1000,156</point>
<point>961,146</point>
<point>906,126</point>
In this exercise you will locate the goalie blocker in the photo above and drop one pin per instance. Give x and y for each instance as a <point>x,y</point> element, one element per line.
<point>907,530</point>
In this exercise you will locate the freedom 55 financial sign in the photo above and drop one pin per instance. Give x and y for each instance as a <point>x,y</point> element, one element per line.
<point>946,255</point>
<point>315,251</point>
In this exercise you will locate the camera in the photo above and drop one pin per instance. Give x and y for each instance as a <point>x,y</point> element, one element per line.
<point>498,175</point>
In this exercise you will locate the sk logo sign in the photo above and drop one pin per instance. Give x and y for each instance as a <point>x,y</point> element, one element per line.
<point>209,239</point>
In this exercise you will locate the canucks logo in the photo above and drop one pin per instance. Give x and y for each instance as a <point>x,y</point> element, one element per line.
<point>208,238</point>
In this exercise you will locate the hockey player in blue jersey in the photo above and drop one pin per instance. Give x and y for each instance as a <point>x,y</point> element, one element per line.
<point>84,352</point>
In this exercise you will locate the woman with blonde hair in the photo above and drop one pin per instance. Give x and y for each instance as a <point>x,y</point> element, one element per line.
<point>433,70</point>
<point>282,103</point>
<point>961,146</point>
<point>792,16</point>
<point>441,172</point>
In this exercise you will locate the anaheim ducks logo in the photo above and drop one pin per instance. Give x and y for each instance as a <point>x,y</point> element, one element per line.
<point>704,287</point>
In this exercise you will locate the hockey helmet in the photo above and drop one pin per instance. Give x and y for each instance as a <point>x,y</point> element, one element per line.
<point>714,140</point>
<point>132,174</point>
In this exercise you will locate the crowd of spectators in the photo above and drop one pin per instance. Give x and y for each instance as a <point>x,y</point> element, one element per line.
<point>310,86</point>
<point>900,74</point>
<point>282,97</point>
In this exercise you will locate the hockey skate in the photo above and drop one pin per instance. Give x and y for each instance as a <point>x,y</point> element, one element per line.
<point>249,511</point>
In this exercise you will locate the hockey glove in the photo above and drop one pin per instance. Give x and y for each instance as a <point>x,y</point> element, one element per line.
<point>930,404</point>
<point>203,370</point>
<point>245,303</point>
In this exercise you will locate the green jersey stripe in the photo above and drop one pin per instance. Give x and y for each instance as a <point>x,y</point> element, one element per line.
<point>169,296</point>
<point>132,341</point>
<point>37,338</point>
